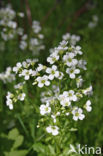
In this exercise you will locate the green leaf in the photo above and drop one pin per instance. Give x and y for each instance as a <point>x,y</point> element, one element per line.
<point>13,134</point>
<point>18,142</point>
<point>38,147</point>
<point>52,150</point>
<point>73,129</point>
<point>16,153</point>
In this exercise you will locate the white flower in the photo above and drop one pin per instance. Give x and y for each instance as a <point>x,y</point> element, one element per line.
<point>40,67</point>
<point>36,27</point>
<point>53,72</point>
<point>53,130</point>
<point>77,114</point>
<point>45,109</point>
<point>53,58</point>
<point>74,39</point>
<point>94,22</point>
<point>82,64</point>
<point>72,96</point>
<point>25,64</point>
<point>79,81</point>
<point>72,72</point>
<point>63,45</point>
<point>62,97</point>
<point>87,106</point>
<point>54,118</point>
<point>77,50</point>
<point>21,96</point>
<point>66,36</point>
<point>60,75</point>
<point>7,76</point>
<point>65,102</point>
<point>88,91</point>
<point>68,59</point>
<point>18,66</point>
<point>34,73</point>
<point>26,73</point>
<point>23,45</point>
<point>43,81</point>
<point>19,85</point>
<point>9,101</point>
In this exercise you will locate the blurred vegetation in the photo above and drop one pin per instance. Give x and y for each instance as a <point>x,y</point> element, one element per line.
<point>57,17</point>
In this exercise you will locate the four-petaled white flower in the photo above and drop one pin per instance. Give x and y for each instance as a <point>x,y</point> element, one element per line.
<point>26,73</point>
<point>77,114</point>
<point>70,94</point>
<point>45,109</point>
<point>54,130</point>
<point>72,72</point>
<point>18,66</point>
<point>69,59</point>
<point>53,72</point>
<point>65,102</point>
<point>77,50</point>
<point>40,67</point>
<point>53,58</point>
<point>43,81</point>
<point>21,96</point>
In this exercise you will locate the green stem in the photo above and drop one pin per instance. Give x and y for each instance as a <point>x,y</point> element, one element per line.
<point>22,124</point>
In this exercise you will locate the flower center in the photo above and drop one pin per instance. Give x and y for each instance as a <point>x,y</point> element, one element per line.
<point>43,81</point>
<point>53,72</point>
<point>76,114</point>
<point>69,59</point>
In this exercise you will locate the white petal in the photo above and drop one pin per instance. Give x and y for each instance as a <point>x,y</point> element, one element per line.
<point>40,85</point>
<point>77,71</point>
<point>82,116</point>
<point>48,70</point>
<point>55,132</point>
<point>51,77</point>
<point>72,76</point>
<point>75,118</point>
<point>47,83</point>
<point>54,67</point>
<point>48,129</point>
<point>27,77</point>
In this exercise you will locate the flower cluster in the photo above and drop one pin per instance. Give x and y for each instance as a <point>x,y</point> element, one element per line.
<point>10,30</point>
<point>73,39</point>
<point>64,98</point>
<point>7,76</point>
<point>13,98</point>
<point>23,69</point>
<point>7,22</point>
<point>94,22</point>
<point>34,43</point>
<point>64,95</point>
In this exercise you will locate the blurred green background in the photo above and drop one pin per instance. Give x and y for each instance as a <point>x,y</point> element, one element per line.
<point>58,17</point>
